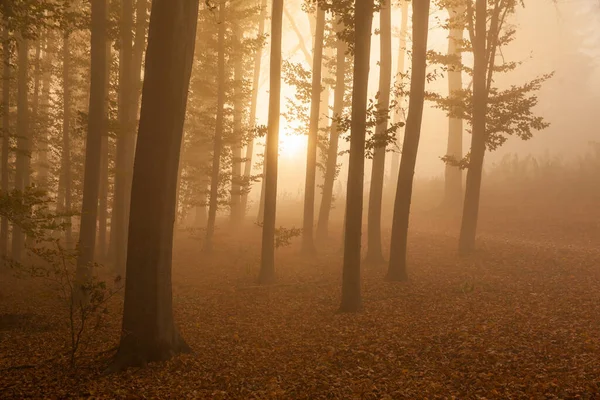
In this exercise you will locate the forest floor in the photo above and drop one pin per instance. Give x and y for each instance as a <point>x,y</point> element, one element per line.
<point>518,319</point>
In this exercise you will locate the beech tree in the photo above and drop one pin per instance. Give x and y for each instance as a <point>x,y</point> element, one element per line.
<point>410,146</point>
<point>267,266</point>
<point>5,128</point>
<point>363,21</point>
<point>149,332</point>
<point>374,252</point>
<point>308,245</point>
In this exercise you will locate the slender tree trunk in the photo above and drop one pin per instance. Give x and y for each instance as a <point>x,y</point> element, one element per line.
<point>103,200</point>
<point>351,297</point>
<point>149,331</point>
<point>261,203</point>
<point>43,164</point>
<point>267,266</point>
<point>93,155</point>
<point>468,228</point>
<point>308,243</point>
<point>253,106</point>
<point>65,175</point>
<point>397,116</point>
<point>218,140</point>
<point>5,131</point>
<point>374,252</point>
<point>410,147</point>
<point>126,116</point>
<point>22,136</point>
<point>453,175</point>
<point>238,110</point>
<point>331,168</point>
<point>35,107</point>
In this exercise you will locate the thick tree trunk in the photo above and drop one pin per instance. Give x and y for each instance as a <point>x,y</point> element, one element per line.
<point>218,139</point>
<point>267,266</point>
<point>374,253</point>
<point>34,122</point>
<point>351,297</point>
<point>331,167</point>
<point>5,131</point>
<point>149,331</point>
<point>453,175</point>
<point>253,106</point>
<point>468,227</point>
<point>238,112</point>
<point>22,136</point>
<point>93,147</point>
<point>397,116</point>
<point>65,174</point>
<point>410,147</point>
<point>308,243</point>
<point>124,143</point>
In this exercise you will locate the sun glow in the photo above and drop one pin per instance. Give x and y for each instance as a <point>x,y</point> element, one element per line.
<point>291,144</point>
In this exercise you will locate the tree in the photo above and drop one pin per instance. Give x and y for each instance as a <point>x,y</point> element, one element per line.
<point>374,252</point>
<point>398,114</point>
<point>331,167</point>
<point>308,244</point>
<point>254,104</point>
<point>149,331</point>
<point>267,266</point>
<point>93,148</point>
<point>218,139</point>
<point>410,146</point>
<point>65,164</point>
<point>5,129</point>
<point>363,20</point>
<point>453,174</point>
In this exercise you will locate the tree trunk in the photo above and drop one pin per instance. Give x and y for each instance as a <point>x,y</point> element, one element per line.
<point>331,167</point>
<point>351,297</point>
<point>374,253</point>
<point>267,266</point>
<point>22,136</point>
<point>397,116</point>
<point>5,132</point>
<point>468,227</point>
<point>43,163</point>
<point>35,108</point>
<point>218,140</point>
<point>93,147</point>
<point>308,243</point>
<point>453,175</point>
<point>238,112</point>
<point>253,106</point>
<point>125,135</point>
<point>103,200</point>
<point>410,146</point>
<point>65,174</point>
<point>149,331</point>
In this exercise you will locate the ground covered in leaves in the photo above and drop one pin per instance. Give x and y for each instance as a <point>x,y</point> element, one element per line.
<point>519,319</point>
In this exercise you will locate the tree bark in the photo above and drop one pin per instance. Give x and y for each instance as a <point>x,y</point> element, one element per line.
<point>351,296</point>
<point>218,139</point>
<point>331,167</point>
<point>453,175</point>
<point>374,253</point>
<point>267,267</point>
<point>410,146</point>
<point>5,131</point>
<point>238,112</point>
<point>22,135</point>
<point>397,116</point>
<point>65,174</point>
<point>149,331</point>
<point>468,228</point>
<point>308,243</point>
<point>43,163</point>
<point>253,106</point>
<point>34,122</point>
<point>93,148</point>
<point>103,200</point>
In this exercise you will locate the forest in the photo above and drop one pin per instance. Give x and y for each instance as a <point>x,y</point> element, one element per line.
<point>300,199</point>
